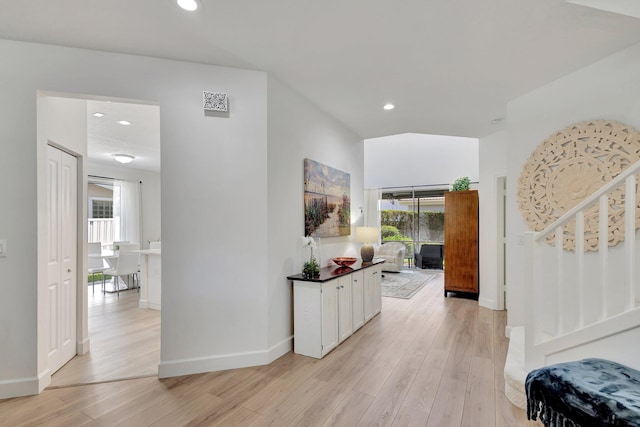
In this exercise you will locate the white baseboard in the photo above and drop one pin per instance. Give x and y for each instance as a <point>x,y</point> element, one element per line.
<point>44,379</point>
<point>154,306</point>
<point>200,365</point>
<point>507,331</point>
<point>20,387</point>
<point>486,303</point>
<point>280,349</point>
<point>82,347</point>
<point>143,303</point>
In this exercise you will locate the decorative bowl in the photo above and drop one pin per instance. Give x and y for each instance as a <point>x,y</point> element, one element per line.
<point>344,261</point>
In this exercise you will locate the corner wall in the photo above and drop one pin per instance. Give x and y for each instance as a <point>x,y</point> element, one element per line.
<point>493,165</point>
<point>299,130</point>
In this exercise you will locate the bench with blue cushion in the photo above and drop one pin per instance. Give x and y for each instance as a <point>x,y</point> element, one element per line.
<point>589,392</point>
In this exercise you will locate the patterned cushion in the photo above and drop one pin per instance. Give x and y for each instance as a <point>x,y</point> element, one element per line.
<point>590,392</point>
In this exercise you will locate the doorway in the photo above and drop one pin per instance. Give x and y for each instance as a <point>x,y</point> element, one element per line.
<point>102,326</point>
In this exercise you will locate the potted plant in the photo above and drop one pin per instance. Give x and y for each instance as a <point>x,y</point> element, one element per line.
<point>461,184</point>
<point>310,268</point>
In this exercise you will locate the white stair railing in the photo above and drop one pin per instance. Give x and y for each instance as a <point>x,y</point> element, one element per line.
<point>539,339</point>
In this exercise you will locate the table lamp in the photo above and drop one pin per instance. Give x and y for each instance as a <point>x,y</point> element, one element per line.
<point>367,235</point>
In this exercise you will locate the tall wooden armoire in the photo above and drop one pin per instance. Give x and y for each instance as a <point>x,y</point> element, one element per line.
<point>461,242</point>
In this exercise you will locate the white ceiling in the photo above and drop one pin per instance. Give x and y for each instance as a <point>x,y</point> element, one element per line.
<point>140,139</point>
<point>449,66</point>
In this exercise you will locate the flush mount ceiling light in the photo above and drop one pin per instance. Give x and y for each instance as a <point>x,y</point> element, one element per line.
<point>189,5</point>
<point>98,114</point>
<point>389,106</point>
<point>123,158</point>
<point>124,122</point>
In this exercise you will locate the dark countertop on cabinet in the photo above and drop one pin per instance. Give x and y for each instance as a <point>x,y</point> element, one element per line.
<point>335,271</point>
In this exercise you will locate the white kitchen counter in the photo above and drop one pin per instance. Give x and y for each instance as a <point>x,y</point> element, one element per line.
<point>151,278</point>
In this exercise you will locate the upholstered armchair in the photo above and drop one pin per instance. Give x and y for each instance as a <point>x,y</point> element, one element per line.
<point>430,256</point>
<point>393,255</point>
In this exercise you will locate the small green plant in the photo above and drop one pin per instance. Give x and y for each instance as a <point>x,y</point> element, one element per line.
<point>461,184</point>
<point>311,268</point>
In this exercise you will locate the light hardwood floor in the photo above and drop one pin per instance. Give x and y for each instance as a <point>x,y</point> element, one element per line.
<point>124,340</point>
<point>427,361</point>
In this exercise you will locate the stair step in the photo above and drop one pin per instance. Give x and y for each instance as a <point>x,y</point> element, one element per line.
<point>514,371</point>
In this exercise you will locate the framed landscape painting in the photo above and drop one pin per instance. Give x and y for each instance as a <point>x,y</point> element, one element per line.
<point>327,200</point>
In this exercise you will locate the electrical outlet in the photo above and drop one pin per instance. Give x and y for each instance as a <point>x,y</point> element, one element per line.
<point>3,248</point>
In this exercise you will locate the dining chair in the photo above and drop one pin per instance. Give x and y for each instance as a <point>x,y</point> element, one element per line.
<point>127,265</point>
<point>95,265</point>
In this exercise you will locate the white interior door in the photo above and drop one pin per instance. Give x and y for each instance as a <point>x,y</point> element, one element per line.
<point>62,260</point>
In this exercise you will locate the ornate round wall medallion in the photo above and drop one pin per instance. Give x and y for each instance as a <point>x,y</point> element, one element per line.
<point>568,167</point>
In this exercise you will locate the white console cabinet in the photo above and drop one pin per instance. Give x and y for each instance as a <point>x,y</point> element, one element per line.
<point>328,309</point>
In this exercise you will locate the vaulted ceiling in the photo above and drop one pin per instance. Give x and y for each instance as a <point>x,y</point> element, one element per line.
<point>449,66</point>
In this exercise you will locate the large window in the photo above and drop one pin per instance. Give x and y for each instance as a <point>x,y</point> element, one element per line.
<point>413,216</point>
<point>100,211</point>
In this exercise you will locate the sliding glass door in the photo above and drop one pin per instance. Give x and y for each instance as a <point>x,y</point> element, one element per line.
<point>412,216</point>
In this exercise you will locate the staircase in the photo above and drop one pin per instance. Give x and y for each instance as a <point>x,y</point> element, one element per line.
<point>580,304</point>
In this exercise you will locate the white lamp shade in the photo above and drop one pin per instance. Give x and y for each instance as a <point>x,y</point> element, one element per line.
<point>367,234</point>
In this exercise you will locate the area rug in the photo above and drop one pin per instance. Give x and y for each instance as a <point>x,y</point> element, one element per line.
<point>404,284</point>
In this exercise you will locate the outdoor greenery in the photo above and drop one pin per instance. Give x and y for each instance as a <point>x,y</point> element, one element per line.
<point>98,277</point>
<point>400,224</point>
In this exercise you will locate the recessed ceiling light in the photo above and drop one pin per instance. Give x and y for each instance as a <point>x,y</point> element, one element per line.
<point>123,158</point>
<point>123,122</point>
<point>389,106</point>
<point>98,114</point>
<point>189,5</point>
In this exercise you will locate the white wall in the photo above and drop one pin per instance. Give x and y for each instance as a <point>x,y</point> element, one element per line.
<point>414,159</point>
<point>223,306</point>
<point>298,130</point>
<point>493,165</point>
<point>151,228</point>
<point>608,89</point>
<point>213,171</point>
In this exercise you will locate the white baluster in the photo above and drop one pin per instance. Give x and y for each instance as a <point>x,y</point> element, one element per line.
<point>603,247</point>
<point>630,239</point>
<point>561,307</point>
